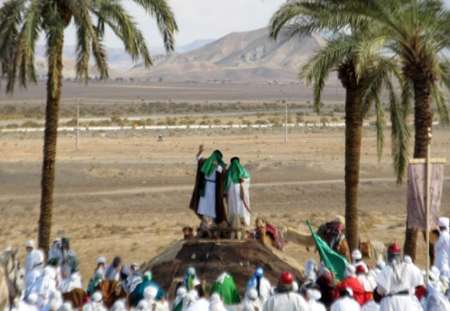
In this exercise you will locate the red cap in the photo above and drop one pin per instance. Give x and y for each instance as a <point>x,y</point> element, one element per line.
<point>286,278</point>
<point>394,248</point>
<point>360,269</point>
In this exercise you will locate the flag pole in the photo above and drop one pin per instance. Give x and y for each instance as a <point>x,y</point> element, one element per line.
<point>428,203</point>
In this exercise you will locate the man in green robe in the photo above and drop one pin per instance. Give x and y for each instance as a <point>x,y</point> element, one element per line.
<point>237,189</point>
<point>207,198</point>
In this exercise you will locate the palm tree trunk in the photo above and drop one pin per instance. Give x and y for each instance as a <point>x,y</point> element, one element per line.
<point>54,83</point>
<point>423,119</point>
<point>353,140</point>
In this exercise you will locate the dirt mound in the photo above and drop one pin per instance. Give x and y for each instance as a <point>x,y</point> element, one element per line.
<point>212,257</point>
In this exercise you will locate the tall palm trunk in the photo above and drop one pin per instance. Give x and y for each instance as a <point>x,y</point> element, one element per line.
<point>423,120</point>
<point>54,84</point>
<point>353,140</point>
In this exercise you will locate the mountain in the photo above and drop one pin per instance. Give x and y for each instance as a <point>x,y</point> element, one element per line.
<point>238,57</point>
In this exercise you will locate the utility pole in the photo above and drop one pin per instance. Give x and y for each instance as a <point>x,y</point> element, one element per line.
<point>286,124</point>
<point>77,135</point>
<point>428,201</point>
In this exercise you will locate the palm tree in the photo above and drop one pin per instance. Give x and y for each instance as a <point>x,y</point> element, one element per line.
<point>362,71</point>
<point>21,23</point>
<point>417,31</point>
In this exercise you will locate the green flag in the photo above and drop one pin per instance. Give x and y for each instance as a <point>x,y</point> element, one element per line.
<point>226,288</point>
<point>333,261</point>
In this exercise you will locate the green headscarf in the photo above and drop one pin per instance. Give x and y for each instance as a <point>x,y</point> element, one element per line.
<point>235,173</point>
<point>210,164</point>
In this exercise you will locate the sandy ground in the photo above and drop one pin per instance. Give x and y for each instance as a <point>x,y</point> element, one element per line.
<point>127,194</point>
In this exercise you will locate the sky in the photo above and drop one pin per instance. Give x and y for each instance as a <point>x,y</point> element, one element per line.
<point>201,19</point>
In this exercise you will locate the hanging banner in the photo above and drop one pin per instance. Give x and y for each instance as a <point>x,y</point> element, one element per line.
<point>416,218</point>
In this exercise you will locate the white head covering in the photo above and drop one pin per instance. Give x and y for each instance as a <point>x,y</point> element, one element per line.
<point>38,257</point>
<point>356,255</point>
<point>444,222</point>
<point>101,260</point>
<point>408,260</point>
<point>29,243</point>
<point>252,294</point>
<point>97,297</point>
<point>67,306</point>
<point>150,293</point>
<point>32,299</point>
<point>119,305</point>
<point>313,294</point>
<point>295,286</point>
<point>350,271</point>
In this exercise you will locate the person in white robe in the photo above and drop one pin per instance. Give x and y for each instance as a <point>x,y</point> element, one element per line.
<point>31,253</point>
<point>46,286</point>
<point>190,299</point>
<point>371,306</point>
<point>251,301</point>
<point>150,294</point>
<point>237,189</point>
<point>33,276</point>
<point>113,271</point>
<point>216,303</point>
<point>201,304</point>
<point>441,247</point>
<point>397,283</point>
<point>285,299</point>
<point>312,297</point>
<point>55,253</point>
<point>120,305</point>
<point>261,284</point>
<point>96,303</point>
<point>357,260</point>
<point>436,299</point>
<point>73,281</point>
<point>345,302</point>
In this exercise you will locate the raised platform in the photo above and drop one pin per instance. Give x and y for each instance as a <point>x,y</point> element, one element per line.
<point>212,257</point>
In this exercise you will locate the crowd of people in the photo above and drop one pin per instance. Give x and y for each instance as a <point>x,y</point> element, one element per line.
<point>395,285</point>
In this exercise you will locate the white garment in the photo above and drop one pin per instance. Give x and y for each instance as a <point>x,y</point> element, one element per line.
<point>200,305</point>
<point>286,302</point>
<point>436,300</point>
<point>94,306</point>
<point>70,283</point>
<point>393,281</point>
<point>236,206</point>
<point>216,303</point>
<point>251,305</point>
<point>46,286</point>
<point>345,304</point>
<point>368,282</point>
<point>265,289</point>
<point>31,280</point>
<point>29,261</point>
<point>207,203</point>
<point>371,306</point>
<point>316,306</point>
<point>441,249</point>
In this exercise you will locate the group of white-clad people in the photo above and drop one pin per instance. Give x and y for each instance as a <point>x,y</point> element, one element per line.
<point>395,285</point>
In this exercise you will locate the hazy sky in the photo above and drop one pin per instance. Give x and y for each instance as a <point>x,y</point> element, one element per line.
<point>203,19</point>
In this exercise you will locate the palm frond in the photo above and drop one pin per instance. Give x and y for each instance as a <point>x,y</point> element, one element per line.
<point>165,19</point>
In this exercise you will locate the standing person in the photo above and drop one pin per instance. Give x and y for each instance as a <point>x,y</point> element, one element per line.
<point>207,198</point>
<point>351,281</point>
<point>441,248</point>
<point>346,301</point>
<point>251,301</point>
<point>99,275</point>
<point>113,271</point>
<point>33,276</point>
<point>396,284</point>
<point>69,260</point>
<point>260,284</point>
<point>285,299</point>
<point>237,189</point>
<point>31,254</point>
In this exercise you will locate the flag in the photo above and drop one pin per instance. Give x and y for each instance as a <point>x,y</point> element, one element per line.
<point>416,217</point>
<point>226,288</point>
<point>332,260</point>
